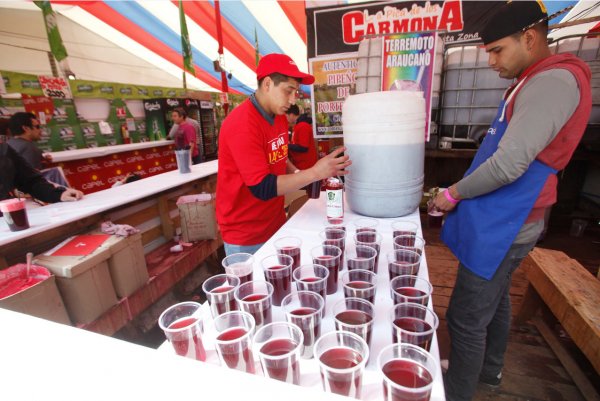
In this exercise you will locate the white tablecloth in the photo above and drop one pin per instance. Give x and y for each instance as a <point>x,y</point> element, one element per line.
<point>306,224</point>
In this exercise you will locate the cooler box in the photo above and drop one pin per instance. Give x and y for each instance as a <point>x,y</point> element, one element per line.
<point>83,281</point>
<point>127,263</point>
<point>198,220</point>
<point>41,299</point>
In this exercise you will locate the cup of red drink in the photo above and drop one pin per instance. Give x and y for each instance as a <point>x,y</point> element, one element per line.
<point>360,284</point>
<point>413,324</point>
<point>372,239</point>
<point>403,227</point>
<point>313,190</point>
<point>278,346</point>
<point>342,357</point>
<point>410,289</point>
<point>355,315</point>
<point>361,257</point>
<point>15,214</point>
<point>335,237</point>
<point>363,224</point>
<point>403,262</point>
<point>408,372</point>
<point>278,272</point>
<point>256,298</point>
<point>305,310</point>
<point>182,325</point>
<point>289,246</point>
<point>234,340</point>
<point>409,241</point>
<point>312,278</point>
<point>330,257</point>
<point>435,218</point>
<point>219,293</point>
<point>239,264</point>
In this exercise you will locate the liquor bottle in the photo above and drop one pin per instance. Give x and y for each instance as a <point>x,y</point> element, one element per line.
<point>334,192</point>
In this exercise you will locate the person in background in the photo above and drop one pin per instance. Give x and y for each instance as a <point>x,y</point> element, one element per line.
<point>4,130</point>
<point>179,117</point>
<point>496,212</point>
<point>17,173</point>
<point>26,131</point>
<point>254,170</point>
<point>292,115</point>
<point>303,151</point>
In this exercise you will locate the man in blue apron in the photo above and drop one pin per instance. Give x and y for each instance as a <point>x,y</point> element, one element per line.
<point>496,211</point>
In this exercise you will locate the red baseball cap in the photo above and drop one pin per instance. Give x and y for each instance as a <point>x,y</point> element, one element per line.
<point>281,64</point>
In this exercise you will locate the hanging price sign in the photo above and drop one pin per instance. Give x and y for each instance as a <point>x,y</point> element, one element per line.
<point>55,87</point>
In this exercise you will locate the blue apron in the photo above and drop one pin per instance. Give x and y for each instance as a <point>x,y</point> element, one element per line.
<point>481,230</point>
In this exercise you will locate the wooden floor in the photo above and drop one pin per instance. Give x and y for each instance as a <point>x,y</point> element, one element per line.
<point>532,371</point>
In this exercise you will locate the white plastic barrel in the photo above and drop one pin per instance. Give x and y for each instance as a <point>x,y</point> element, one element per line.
<point>384,133</point>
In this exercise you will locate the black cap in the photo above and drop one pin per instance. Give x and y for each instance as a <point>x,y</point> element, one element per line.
<point>512,17</point>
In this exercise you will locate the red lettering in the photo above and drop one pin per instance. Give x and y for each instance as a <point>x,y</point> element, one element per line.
<point>416,25</point>
<point>371,29</point>
<point>430,23</point>
<point>400,26</point>
<point>350,31</point>
<point>384,27</point>
<point>451,18</point>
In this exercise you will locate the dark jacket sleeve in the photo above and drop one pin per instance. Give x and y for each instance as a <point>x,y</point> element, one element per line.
<point>17,173</point>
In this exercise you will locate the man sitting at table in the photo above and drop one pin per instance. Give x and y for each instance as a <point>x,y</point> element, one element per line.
<point>254,170</point>
<point>17,173</point>
<point>26,131</point>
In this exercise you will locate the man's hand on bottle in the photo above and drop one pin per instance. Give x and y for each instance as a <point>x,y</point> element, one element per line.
<point>333,164</point>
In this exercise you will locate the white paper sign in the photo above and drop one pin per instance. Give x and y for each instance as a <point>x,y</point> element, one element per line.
<point>55,87</point>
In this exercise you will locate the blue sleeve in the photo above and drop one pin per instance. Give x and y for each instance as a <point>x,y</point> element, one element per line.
<point>266,189</point>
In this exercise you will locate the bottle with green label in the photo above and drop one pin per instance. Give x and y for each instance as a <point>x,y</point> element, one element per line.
<point>334,192</point>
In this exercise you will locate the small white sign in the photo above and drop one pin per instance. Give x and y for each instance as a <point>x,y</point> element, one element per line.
<point>105,128</point>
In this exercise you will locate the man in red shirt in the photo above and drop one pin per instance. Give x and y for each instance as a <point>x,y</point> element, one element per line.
<point>187,130</point>
<point>303,151</point>
<point>254,171</point>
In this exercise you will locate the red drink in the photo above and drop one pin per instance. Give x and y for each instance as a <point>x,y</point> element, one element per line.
<point>313,190</point>
<point>261,311</point>
<point>360,289</point>
<point>281,278</point>
<point>332,264</point>
<point>236,355</point>
<point>294,252</point>
<point>349,383</point>
<point>15,214</point>
<point>358,263</point>
<point>334,191</point>
<point>311,328</point>
<point>183,344</point>
<point>285,369</point>
<point>434,219</point>
<point>410,294</point>
<point>416,326</point>
<point>408,374</point>
<point>403,268</point>
<point>223,303</point>
<point>408,241</point>
<point>356,321</point>
<point>306,284</point>
<point>246,278</point>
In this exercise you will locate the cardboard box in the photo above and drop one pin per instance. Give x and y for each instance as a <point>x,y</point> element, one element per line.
<point>198,220</point>
<point>127,263</point>
<point>84,283</point>
<point>41,300</point>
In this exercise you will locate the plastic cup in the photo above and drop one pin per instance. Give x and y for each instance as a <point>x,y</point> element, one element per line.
<point>312,278</point>
<point>219,293</point>
<point>372,239</point>
<point>182,324</point>
<point>404,227</point>
<point>342,358</point>
<point>233,340</point>
<point>328,256</point>
<point>289,246</point>
<point>408,372</point>
<point>360,284</point>
<point>361,257</point>
<point>402,262</point>
<point>239,264</point>
<point>305,310</point>
<point>335,226</point>
<point>335,237</point>
<point>410,289</point>
<point>410,241</point>
<point>313,190</point>
<point>413,324</point>
<point>365,224</point>
<point>278,346</point>
<point>355,315</point>
<point>434,219</point>
<point>256,297</point>
<point>15,214</point>
<point>278,272</point>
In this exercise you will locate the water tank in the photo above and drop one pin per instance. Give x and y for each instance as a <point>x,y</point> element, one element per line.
<point>384,133</point>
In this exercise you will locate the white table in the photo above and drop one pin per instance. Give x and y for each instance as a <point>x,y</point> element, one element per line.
<point>58,214</point>
<point>306,224</point>
<point>77,154</point>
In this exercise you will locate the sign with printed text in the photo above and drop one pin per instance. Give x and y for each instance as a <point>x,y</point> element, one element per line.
<point>335,80</point>
<point>55,87</point>
<point>407,65</point>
